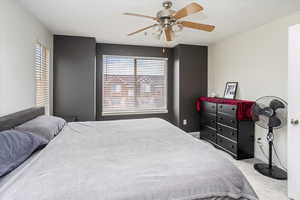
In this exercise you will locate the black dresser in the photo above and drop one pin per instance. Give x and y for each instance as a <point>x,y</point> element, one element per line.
<point>220,127</point>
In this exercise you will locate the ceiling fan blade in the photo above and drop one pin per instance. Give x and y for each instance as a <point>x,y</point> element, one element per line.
<point>143,29</point>
<point>276,104</point>
<point>274,121</point>
<point>188,10</point>
<point>139,15</point>
<point>203,27</point>
<point>168,34</point>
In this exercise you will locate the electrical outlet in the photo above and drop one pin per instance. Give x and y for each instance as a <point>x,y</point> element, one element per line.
<point>184,122</point>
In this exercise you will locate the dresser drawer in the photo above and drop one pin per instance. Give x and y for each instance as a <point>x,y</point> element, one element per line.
<point>209,120</point>
<point>208,107</point>
<point>208,134</point>
<point>227,144</point>
<point>227,109</point>
<point>227,120</point>
<point>227,132</point>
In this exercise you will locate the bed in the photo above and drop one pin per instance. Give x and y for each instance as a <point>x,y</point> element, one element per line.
<point>143,159</point>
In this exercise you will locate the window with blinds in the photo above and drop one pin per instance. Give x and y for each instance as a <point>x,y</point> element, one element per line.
<point>134,85</point>
<point>42,57</point>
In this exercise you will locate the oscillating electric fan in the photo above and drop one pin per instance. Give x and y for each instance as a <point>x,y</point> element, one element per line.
<point>270,113</point>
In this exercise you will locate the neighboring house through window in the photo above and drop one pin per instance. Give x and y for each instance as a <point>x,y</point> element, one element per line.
<point>116,88</point>
<point>146,88</point>
<point>134,85</point>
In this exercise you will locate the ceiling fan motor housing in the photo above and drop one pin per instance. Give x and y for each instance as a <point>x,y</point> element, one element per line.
<point>165,17</point>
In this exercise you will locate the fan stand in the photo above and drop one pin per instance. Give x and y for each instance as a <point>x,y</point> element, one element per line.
<point>268,169</point>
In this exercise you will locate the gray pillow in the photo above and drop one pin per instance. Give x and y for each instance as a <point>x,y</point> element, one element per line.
<point>16,147</point>
<point>45,126</point>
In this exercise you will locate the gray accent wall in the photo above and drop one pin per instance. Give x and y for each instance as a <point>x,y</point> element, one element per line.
<point>190,82</point>
<point>74,77</point>
<point>78,84</point>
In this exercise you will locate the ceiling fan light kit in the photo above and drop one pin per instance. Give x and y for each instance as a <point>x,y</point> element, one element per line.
<point>168,21</point>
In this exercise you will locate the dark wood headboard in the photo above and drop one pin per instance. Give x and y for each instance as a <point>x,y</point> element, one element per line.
<point>15,119</point>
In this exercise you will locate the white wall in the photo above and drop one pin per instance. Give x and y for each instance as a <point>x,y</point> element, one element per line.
<point>258,60</point>
<point>20,31</point>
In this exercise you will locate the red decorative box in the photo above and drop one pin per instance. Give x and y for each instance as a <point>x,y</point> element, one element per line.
<point>243,106</point>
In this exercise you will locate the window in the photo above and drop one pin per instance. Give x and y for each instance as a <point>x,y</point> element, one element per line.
<point>134,85</point>
<point>130,92</point>
<point>116,88</point>
<point>145,87</point>
<point>42,56</point>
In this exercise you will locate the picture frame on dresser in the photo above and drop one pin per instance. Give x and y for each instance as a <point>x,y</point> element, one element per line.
<point>230,90</point>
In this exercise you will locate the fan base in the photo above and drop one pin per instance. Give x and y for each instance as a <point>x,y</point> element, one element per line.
<point>273,172</point>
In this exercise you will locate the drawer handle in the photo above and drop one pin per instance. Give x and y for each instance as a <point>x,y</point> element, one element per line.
<point>213,121</point>
<point>233,108</point>
<point>232,146</point>
<point>213,107</point>
<point>232,133</point>
<point>220,129</point>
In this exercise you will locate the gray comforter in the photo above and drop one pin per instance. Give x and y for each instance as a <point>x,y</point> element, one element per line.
<point>146,159</point>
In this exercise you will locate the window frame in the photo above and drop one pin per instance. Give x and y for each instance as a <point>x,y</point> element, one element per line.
<point>137,112</point>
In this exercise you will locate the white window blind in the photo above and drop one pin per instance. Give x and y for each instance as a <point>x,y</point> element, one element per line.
<point>134,85</point>
<point>42,57</point>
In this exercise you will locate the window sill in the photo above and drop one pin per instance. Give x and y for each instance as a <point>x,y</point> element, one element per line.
<point>135,113</point>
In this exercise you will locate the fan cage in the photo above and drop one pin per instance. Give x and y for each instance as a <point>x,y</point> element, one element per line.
<point>281,113</point>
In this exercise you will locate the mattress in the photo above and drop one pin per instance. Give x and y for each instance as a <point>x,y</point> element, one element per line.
<point>144,159</point>
<point>9,178</point>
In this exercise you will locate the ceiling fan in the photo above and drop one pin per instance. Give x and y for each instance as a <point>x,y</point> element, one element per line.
<point>168,21</point>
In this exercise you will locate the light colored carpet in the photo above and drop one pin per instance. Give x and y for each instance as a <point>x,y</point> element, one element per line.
<point>266,188</point>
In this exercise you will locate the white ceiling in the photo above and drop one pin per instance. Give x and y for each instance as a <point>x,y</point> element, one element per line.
<point>103,19</point>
